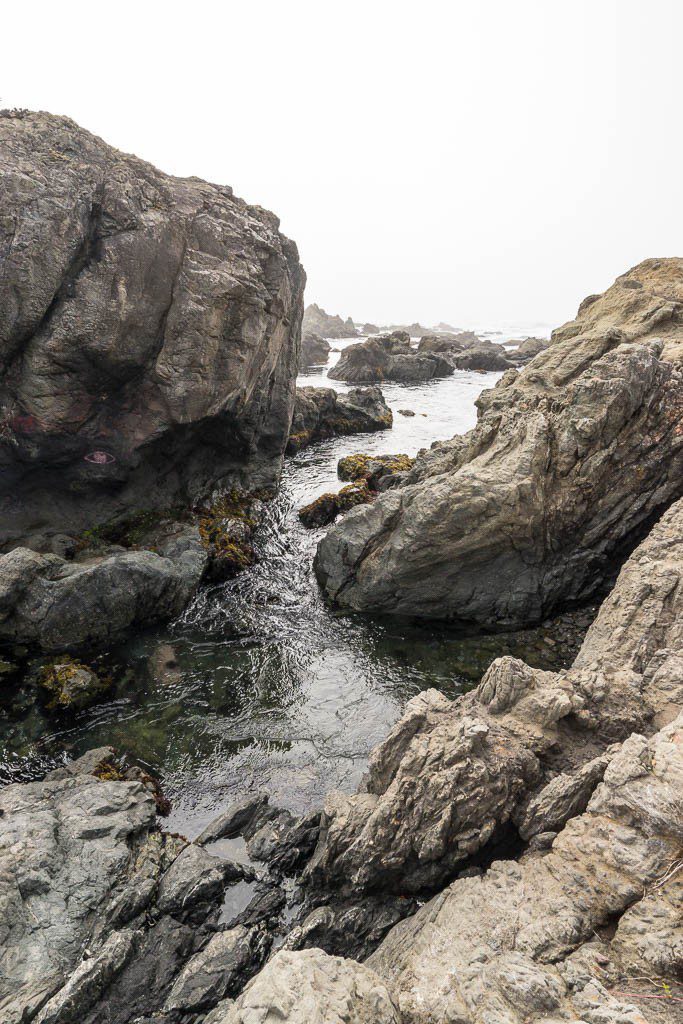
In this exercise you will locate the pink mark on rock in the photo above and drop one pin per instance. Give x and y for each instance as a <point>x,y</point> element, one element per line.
<point>99,458</point>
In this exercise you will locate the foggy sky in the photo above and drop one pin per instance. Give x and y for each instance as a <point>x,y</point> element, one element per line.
<point>479,163</point>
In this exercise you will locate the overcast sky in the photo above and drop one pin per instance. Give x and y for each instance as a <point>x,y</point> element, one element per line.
<point>478,162</point>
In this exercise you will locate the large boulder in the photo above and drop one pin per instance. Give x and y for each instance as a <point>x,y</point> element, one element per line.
<point>570,459</point>
<point>327,325</point>
<point>524,750</point>
<point>149,333</point>
<point>388,357</point>
<point>321,413</point>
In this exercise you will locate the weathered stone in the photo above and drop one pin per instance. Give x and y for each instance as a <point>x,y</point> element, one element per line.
<point>217,971</point>
<point>570,458</point>
<point>309,987</point>
<point>327,325</point>
<point>321,413</point>
<point>314,351</point>
<point>149,332</point>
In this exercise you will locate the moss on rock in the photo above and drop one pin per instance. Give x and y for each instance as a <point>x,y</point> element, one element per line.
<point>69,685</point>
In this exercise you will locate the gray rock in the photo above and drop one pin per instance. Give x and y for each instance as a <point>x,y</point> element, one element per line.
<point>388,357</point>
<point>309,987</point>
<point>561,799</point>
<point>321,413</point>
<point>483,357</point>
<point>60,605</point>
<point>497,948</point>
<point>569,459</point>
<point>215,972</point>
<point>194,879</point>
<point>234,820</point>
<point>351,928</point>
<point>314,351</point>
<point>327,325</point>
<point>149,333</point>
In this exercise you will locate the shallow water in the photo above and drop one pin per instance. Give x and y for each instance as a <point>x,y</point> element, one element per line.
<point>259,685</point>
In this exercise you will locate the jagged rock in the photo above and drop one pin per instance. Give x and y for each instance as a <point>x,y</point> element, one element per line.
<point>451,775</point>
<point>327,325</point>
<point>149,332</point>
<point>500,947</point>
<point>321,413</point>
<point>527,349</point>
<point>388,357</point>
<point>569,460</point>
<point>314,351</point>
<point>449,344</point>
<point>101,915</point>
<point>234,820</point>
<point>352,928</point>
<point>309,987</point>
<point>369,329</point>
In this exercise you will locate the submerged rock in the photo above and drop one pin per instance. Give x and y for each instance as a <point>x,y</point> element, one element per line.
<point>569,460</point>
<point>388,357</point>
<point>69,686</point>
<point>314,351</point>
<point>149,331</point>
<point>321,413</point>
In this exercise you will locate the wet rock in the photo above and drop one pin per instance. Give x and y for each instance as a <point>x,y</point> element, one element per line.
<point>570,458</point>
<point>218,970</point>
<point>325,509</point>
<point>351,928</point>
<point>321,413</point>
<point>59,605</point>
<point>525,746</point>
<point>504,946</point>
<point>234,820</point>
<point>327,325</point>
<point>388,357</point>
<point>264,908</point>
<point>194,881</point>
<point>287,843</point>
<point>314,351</point>
<point>372,468</point>
<point>309,987</point>
<point>149,330</point>
<point>69,685</point>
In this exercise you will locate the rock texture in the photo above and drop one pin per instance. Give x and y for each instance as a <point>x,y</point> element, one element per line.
<point>525,749</point>
<point>521,943</point>
<point>314,351</point>
<point>321,413</point>
<point>388,357</point>
<point>311,988</point>
<point>102,917</point>
<point>149,333</point>
<point>327,325</point>
<point>570,459</point>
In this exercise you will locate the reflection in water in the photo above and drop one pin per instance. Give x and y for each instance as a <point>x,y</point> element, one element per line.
<point>259,685</point>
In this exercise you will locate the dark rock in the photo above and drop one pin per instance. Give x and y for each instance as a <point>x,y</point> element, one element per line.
<point>69,685</point>
<point>314,351</point>
<point>321,413</point>
<point>372,468</point>
<point>233,821</point>
<point>149,333</point>
<point>406,412</point>
<point>218,970</point>
<point>351,928</point>
<point>325,509</point>
<point>388,357</point>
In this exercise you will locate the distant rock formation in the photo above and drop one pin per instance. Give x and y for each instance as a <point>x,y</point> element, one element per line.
<point>327,325</point>
<point>149,333</point>
<point>321,413</point>
<point>314,351</point>
<point>569,460</point>
<point>388,357</point>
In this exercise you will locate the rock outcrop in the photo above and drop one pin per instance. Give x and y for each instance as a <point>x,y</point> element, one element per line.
<point>524,750</point>
<point>149,333</point>
<point>571,458</point>
<point>314,351</point>
<point>103,916</point>
<point>327,325</point>
<point>522,943</point>
<point>388,357</point>
<point>322,413</point>
<point>527,350</point>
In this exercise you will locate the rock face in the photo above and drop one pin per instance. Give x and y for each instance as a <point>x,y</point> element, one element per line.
<point>520,943</point>
<point>327,325</point>
<point>569,460</point>
<point>149,333</point>
<point>525,749</point>
<point>314,351</point>
<point>321,413</point>
<point>388,357</point>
